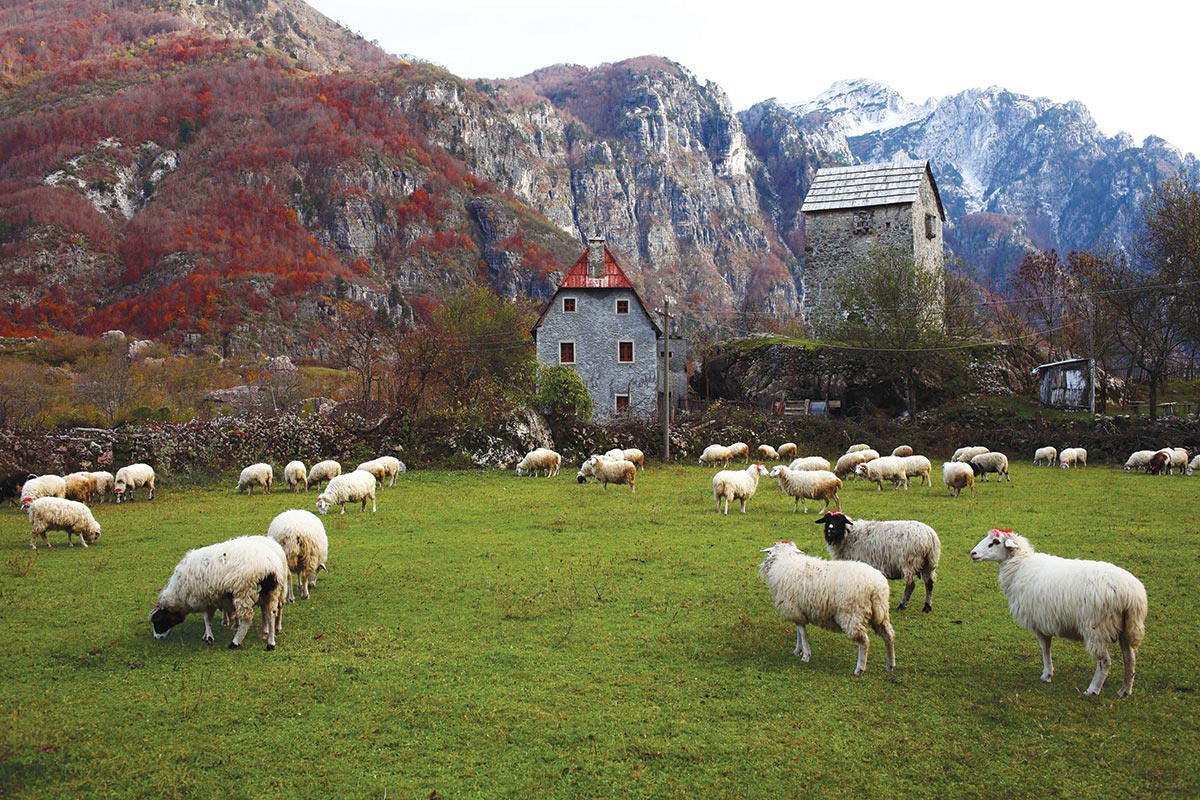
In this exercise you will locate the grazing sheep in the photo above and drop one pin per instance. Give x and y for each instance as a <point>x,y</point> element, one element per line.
<point>958,476</point>
<point>1138,459</point>
<point>131,477</point>
<point>542,458</point>
<point>256,475</point>
<point>302,536</point>
<point>740,450</point>
<point>919,466</point>
<point>965,454</point>
<point>738,484</point>
<point>104,484</point>
<point>57,514</point>
<point>1090,601</point>
<point>10,487</point>
<point>810,462</point>
<point>716,453</point>
<point>42,486</point>
<point>1159,464</point>
<point>787,450</point>
<point>634,456</point>
<point>887,468</point>
<point>808,485</point>
<point>1072,457</point>
<point>1178,459</point>
<point>850,461</point>
<point>1047,454</point>
<point>323,471</point>
<point>1193,465</point>
<point>903,451</point>
<point>342,489</point>
<point>900,549</point>
<point>384,468</point>
<point>615,454</point>
<point>295,474</point>
<point>857,448</point>
<point>984,463</point>
<point>606,471</point>
<point>846,596</point>
<point>767,453</point>
<point>81,486</point>
<point>234,576</point>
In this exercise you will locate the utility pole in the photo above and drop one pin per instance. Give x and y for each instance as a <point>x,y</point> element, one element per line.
<point>667,379</point>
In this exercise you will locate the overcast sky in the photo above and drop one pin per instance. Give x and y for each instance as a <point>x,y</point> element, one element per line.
<point>1131,64</point>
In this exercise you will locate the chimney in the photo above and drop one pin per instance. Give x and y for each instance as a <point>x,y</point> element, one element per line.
<point>596,256</point>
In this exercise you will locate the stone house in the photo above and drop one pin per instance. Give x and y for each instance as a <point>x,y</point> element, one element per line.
<point>849,212</point>
<point>597,323</point>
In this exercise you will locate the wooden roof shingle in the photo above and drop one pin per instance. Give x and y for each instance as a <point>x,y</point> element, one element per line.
<point>866,185</point>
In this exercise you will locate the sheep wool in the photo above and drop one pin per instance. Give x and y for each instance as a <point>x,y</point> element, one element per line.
<point>958,476</point>
<point>787,450</point>
<point>848,463</point>
<point>356,485</point>
<point>1047,454</point>
<point>902,549</point>
<point>302,536</point>
<point>540,459</point>
<point>295,474</point>
<point>808,485</point>
<point>634,456</point>
<point>256,475</point>
<point>58,514</point>
<point>716,454</point>
<point>984,463</point>
<point>132,477</point>
<point>1072,457</point>
<point>740,450</point>
<point>738,484</point>
<point>903,451</point>
<point>323,471</point>
<point>80,486</point>
<point>606,471</point>
<point>235,576</point>
<point>43,486</point>
<point>919,466</point>
<point>384,468</point>
<point>1193,465</point>
<point>810,462</point>
<point>965,454</point>
<point>104,484</point>
<point>858,448</point>
<point>1090,601</point>
<point>846,596</point>
<point>887,468</point>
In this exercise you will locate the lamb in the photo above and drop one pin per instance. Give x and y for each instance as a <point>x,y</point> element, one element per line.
<point>1072,457</point>
<point>716,453</point>
<point>234,576</point>
<point>55,513</point>
<point>919,466</point>
<point>323,471</point>
<point>542,458</point>
<point>958,476</point>
<point>850,461</point>
<point>342,489</point>
<point>1047,454</point>
<point>42,486</point>
<point>965,454</point>
<point>302,536</point>
<point>903,451</point>
<point>81,486</point>
<point>256,475</point>
<point>606,471</point>
<point>808,485</point>
<point>384,468</point>
<point>845,596</point>
<point>295,474</point>
<point>787,450</point>
<point>1139,459</point>
<point>887,468</point>
<point>809,462</point>
<point>984,463</point>
<point>131,477</point>
<point>900,549</point>
<point>740,450</point>
<point>737,484</point>
<point>1090,601</point>
<point>104,483</point>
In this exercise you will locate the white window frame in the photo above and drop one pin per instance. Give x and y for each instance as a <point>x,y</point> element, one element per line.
<point>617,410</point>
<point>617,306</point>
<point>574,355</point>
<point>632,351</point>
<point>574,304</point>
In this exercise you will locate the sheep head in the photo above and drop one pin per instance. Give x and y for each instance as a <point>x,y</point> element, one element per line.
<point>757,469</point>
<point>835,523</point>
<point>163,619</point>
<point>996,546</point>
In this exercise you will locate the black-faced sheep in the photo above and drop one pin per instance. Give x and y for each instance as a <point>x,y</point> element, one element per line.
<point>302,536</point>
<point>902,549</point>
<point>57,514</point>
<point>808,485</point>
<point>131,477</point>
<point>738,484</point>
<point>356,485</point>
<point>984,463</point>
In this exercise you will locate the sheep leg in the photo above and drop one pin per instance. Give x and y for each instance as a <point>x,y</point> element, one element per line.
<point>743,501</point>
<point>1129,658</point>
<point>1099,651</point>
<point>208,634</point>
<point>884,629</point>
<point>864,646</point>
<point>1047,664</point>
<point>927,576</point>
<point>802,648</point>
<point>243,628</point>
<point>909,585</point>
<point>799,502</point>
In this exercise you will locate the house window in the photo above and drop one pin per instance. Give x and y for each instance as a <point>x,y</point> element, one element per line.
<point>625,352</point>
<point>568,305</point>
<point>566,352</point>
<point>622,306</point>
<point>930,226</point>
<point>862,221</point>
<point>621,403</point>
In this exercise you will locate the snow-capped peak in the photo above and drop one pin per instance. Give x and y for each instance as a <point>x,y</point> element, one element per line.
<point>863,106</point>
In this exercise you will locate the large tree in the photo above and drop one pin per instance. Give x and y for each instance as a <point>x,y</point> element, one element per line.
<point>1168,241</point>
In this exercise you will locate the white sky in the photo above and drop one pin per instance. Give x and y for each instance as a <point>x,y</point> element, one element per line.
<point>1131,64</point>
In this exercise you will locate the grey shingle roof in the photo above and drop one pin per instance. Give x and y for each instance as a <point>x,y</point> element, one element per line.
<point>867,185</point>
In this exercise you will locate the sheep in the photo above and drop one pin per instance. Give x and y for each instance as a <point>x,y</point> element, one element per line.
<point>1193,465</point>
<point>55,513</point>
<point>302,536</point>
<point>384,468</point>
<point>984,463</point>
<point>958,476</point>
<point>737,484</point>
<point>1090,601</point>
<point>1159,463</point>
<point>919,465</point>
<point>80,486</point>
<point>965,454</point>
<point>131,477</point>
<point>1072,457</point>
<point>903,451</point>
<point>857,448</point>
<point>808,485</point>
<point>634,456</point>
<point>740,450</point>
<point>295,474</point>
<point>10,486</point>
<point>615,454</point>
<point>1178,457</point>
<point>810,462</point>
<point>715,453</point>
<point>900,549</point>
<point>542,458</point>
<point>323,471</point>
<point>787,450</point>
<point>234,576</point>
<point>606,471</point>
<point>887,468</point>
<point>256,475</point>
<point>850,461</point>
<point>1138,459</point>
<point>1047,454</point>
<point>846,596</point>
<point>342,489</point>
<point>767,453</point>
<point>42,486</point>
<point>104,483</point>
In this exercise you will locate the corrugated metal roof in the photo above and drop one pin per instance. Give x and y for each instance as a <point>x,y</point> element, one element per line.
<point>865,185</point>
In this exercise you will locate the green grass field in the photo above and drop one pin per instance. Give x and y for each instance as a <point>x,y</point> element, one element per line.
<point>485,635</point>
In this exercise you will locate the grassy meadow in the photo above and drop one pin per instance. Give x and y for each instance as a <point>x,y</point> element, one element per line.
<point>486,635</point>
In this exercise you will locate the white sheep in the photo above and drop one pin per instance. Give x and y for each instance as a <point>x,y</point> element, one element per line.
<point>737,484</point>
<point>958,476</point>
<point>716,454</point>
<point>1090,601</point>
<point>342,489</point>
<point>1178,459</point>
<point>1072,457</point>
<point>902,549</point>
<point>104,483</point>
<point>903,451</point>
<point>808,485</point>
<point>80,486</point>
<point>787,450</point>
<point>1193,465</point>
<point>542,458</point>
<point>1139,459</point>
<point>323,471</point>
<point>42,486</point>
<point>57,514</point>
<point>767,453</point>
<point>991,461</point>
<point>810,462</point>
<point>740,450</point>
<point>850,461</point>
<point>856,448</point>
<point>634,456</point>
<point>607,470</point>
<point>131,477</point>
<point>965,454</point>
<point>295,474</point>
<point>384,468</point>
<point>1047,454</point>
<point>846,596</point>
<point>919,466</point>
<point>234,576</point>
<point>256,475</point>
<point>887,468</point>
<point>302,536</point>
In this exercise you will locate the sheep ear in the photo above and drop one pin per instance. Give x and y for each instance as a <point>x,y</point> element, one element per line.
<point>1009,543</point>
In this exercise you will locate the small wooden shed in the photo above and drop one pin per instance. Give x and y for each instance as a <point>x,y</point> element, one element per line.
<point>1065,384</point>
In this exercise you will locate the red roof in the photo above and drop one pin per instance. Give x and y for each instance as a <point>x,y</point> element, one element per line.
<point>614,277</point>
